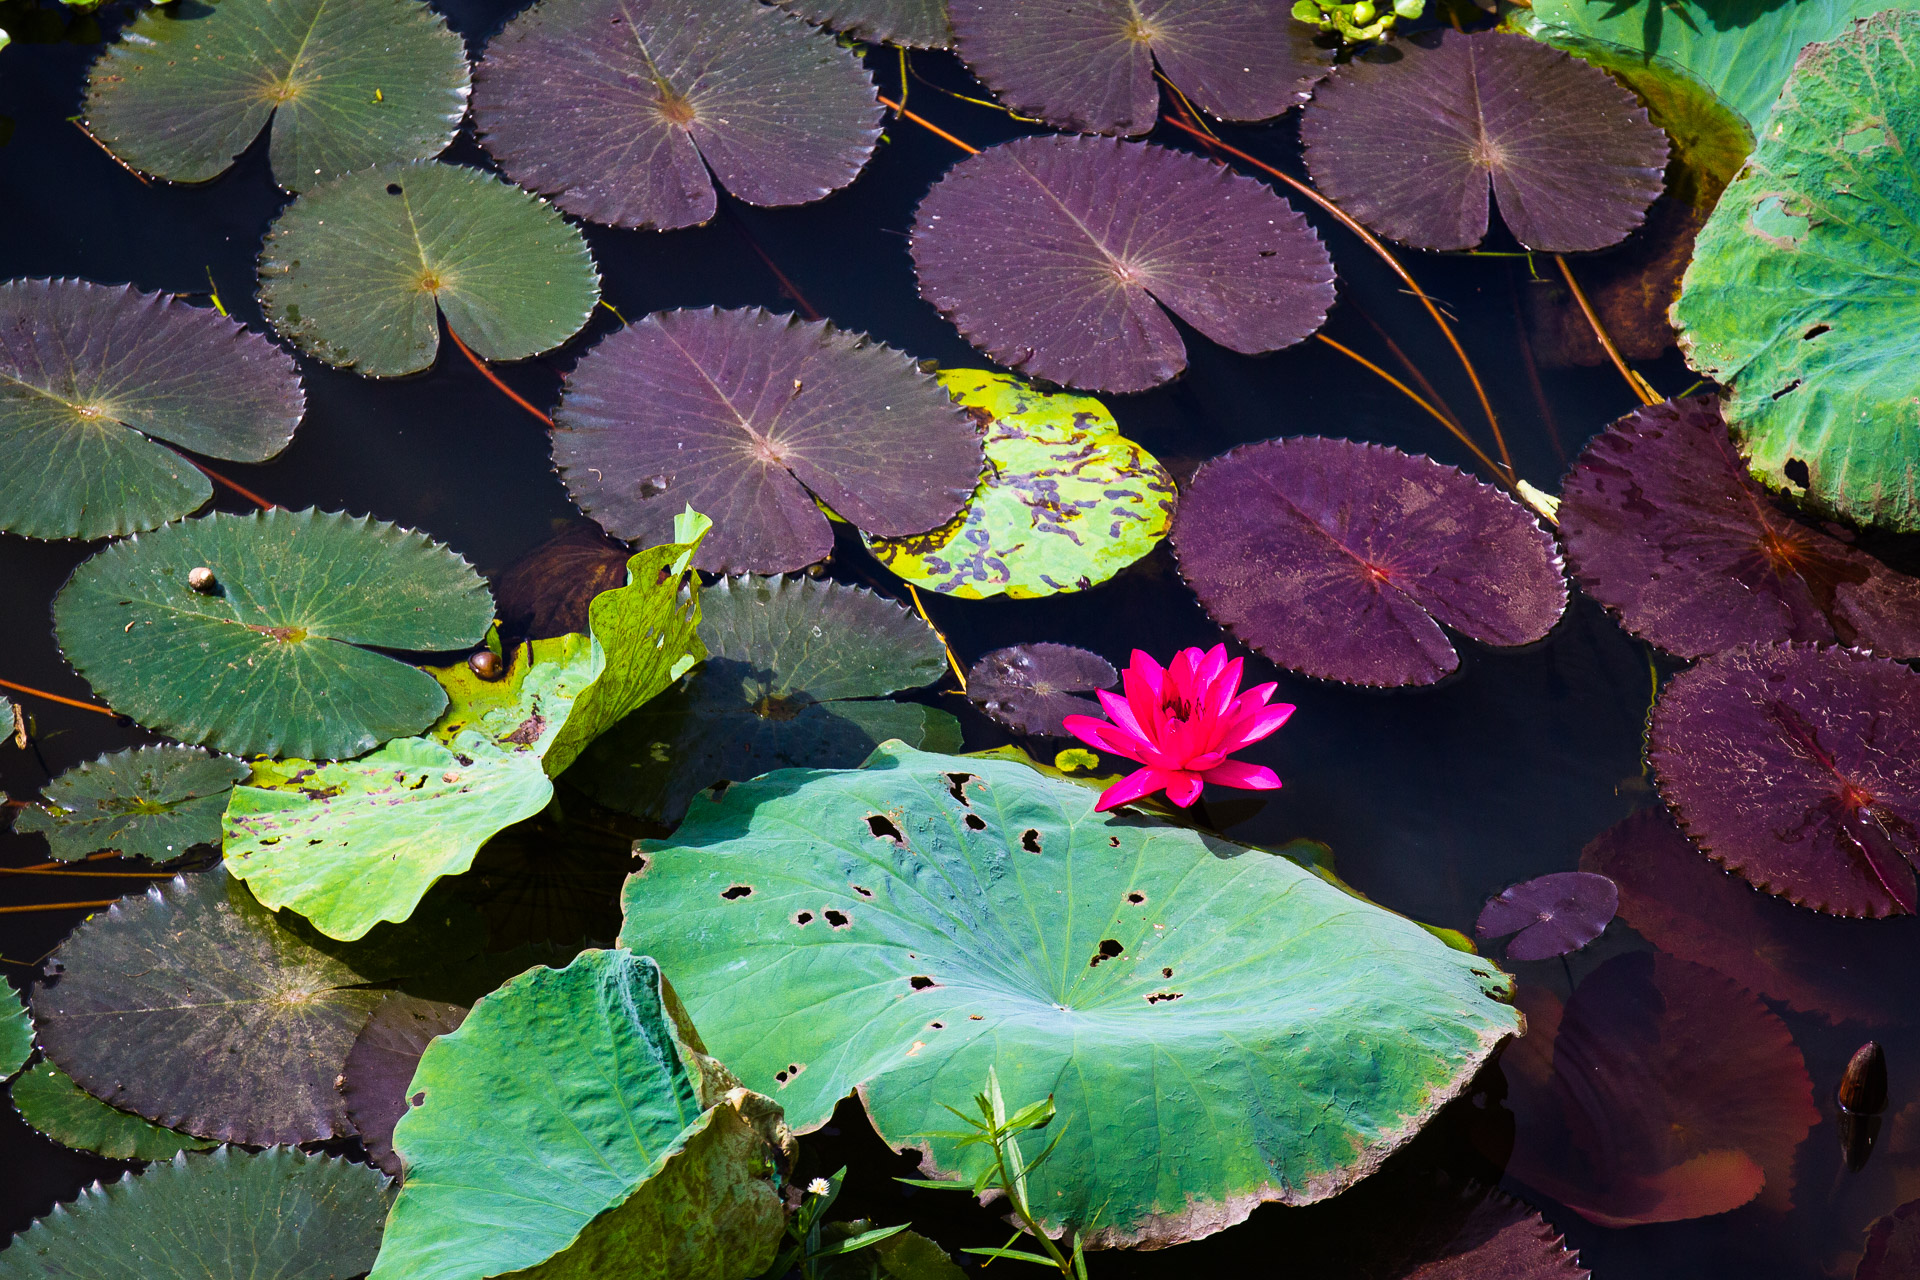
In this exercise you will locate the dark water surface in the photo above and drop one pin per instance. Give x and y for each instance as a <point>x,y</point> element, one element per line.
<point>1431,799</point>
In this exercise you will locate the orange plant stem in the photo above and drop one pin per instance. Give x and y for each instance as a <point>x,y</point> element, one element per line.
<point>246,493</point>
<point>60,906</point>
<point>1635,382</point>
<point>1452,427</point>
<point>489,375</point>
<point>54,697</point>
<point>929,126</point>
<point>97,875</point>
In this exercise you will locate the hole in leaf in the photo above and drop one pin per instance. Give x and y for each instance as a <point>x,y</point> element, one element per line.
<point>1797,472</point>
<point>1030,840</point>
<point>975,822</point>
<point>393,188</point>
<point>1158,996</point>
<point>838,919</point>
<point>1816,331</point>
<point>736,892</point>
<point>419,1099</point>
<point>883,829</point>
<point>803,918</point>
<point>956,785</point>
<point>1110,948</point>
<point>1790,387</point>
<point>640,863</point>
<point>920,982</point>
<point>1136,897</point>
<point>1166,973</point>
<point>863,891</point>
<point>1114,841</point>
<point>937,1026</point>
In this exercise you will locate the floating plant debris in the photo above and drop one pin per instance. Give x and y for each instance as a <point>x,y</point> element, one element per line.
<point>149,802</point>
<point>97,380</point>
<point>753,419</point>
<point>1056,255</point>
<point>1664,526</point>
<point>1089,67</point>
<point>1030,687</point>
<point>1412,145</point>
<point>1342,560</point>
<point>1798,768</point>
<point>1550,915</point>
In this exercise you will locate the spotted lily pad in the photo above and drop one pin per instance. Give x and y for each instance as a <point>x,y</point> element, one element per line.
<point>381,1065</point>
<point>195,1007</point>
<point>95,383</point>
<point>1056,255</point>
<point>1412,146</point>
<point>572,1089</point>
<point>1342,560</point>
<point>268,660</point>
<point>1664,526</point>
<point>1090,66</point>
<point>1550,915</point>
<point>1065,503</point>
<point>348,845</point>
<point>619,108</point>
<point>755,419</point>
<point>150,802</point>
<point>189,86</point>
<point>920,23</point>
<point>937,915</point>
<point>1798,768</point>
<point>794,672</point>
<point>360,271</point>
<point>48,1099</point>
<point>282,1213</point>
<point>1822,379</point>
<point>1030,687</point>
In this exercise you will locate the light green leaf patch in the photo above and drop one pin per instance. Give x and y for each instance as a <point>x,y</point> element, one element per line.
<point>1065,503</point>
<point>150,802</point>
<point>16,1033</point>
<point>1804,290</point>
<point>48,1099</point>
<point>350,844</point>
<point>1217,1026</point>
<point>573,1090</point>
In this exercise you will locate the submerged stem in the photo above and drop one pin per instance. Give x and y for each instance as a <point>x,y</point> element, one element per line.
<point>1452,427</point>
<point>1635,382</point>
<point>952,661</point>
<point>490,376</point>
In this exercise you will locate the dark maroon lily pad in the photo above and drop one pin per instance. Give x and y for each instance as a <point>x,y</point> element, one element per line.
<point>1498,1239</point>
<point>919,23</point>
<point>380,1066</point>
<point>1893,1246</point>
<point>1799,768</point>
<point>748,417</point>
<point>1030,687</point>
<point>546,592</point>
<point>1664,526</point>
<point>617,109</point>
<point>1342,560</point>
<point>1089,66</point>
<point>1550,915</point>
<point>1054,255</point>
<point>1411,146</point>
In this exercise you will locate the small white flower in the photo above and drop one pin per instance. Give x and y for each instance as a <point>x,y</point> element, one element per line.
<point>818,1187</point>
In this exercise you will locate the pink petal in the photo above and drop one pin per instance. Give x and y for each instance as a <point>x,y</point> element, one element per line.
<point>1150,671</point>
<point>1184,788</point>
<point>1107,737</point>
<point>1144,700</point>
<point>1141,782</point>
<point>1254,698</point>
<point>1258,726</point>
<point>1248,777</point>
<point>1120,713</point>
<point>1212,663</point>
<point>1204,761</point>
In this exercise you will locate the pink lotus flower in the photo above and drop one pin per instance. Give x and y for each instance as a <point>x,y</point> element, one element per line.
<point>1182,721</point>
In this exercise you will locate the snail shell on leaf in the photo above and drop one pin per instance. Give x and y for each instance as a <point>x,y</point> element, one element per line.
<point>202,580</point>
<point>486,664</point>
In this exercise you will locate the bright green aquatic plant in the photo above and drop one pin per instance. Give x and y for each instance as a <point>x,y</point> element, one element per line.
<point>1360,22</point>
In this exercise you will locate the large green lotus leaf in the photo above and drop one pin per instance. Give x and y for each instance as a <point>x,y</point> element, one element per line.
<point>94,378</point>
<point>347,85</point>
<point>1217,1025</point>
<point>357,272</point>
<point>16,1033</point>
<point>195,1007</point>
<point>268,662</point>
<point>149,802</point>
<point>790,664</point>
<point>281,1214</point>
<point>47,1098</point>
<point>563,1132</point>
<point>1065,503</point>
<point>1802,290</point>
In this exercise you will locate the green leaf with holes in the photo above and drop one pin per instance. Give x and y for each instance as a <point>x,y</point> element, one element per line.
<point>359,272</point>
<point>281,1213</point>
<point>1065,503</point>
<point>795,672</point>
<point>188,86</point>
<point>149,802</point>
<point>1217,1025</point>
<point>572,1090</point>
<point>350,844</point>
<point>1804,290</point>
<point>269,659</point>
<point>47,1098</point>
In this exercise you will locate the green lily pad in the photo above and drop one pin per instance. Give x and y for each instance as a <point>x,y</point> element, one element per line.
<point>1217,1025</point>
<point>1801,293</point>
<point>268,661</point>
<point>569,1090</point>
<point>1065,503</point>
<point>150,802</point>
<point>16,1034</point>
<point>791,662</point>
<point>188,87</point>
<point>96,381</point>
<point>350,844</point>
<point>47,1098</point>
<point>281,1213</point>
<point>358,272</point>
<point>194,1007</point>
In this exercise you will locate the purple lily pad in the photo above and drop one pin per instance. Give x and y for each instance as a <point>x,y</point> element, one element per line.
<point>1664,525</point>
<point>1893,1245</point>
<point>617,109</point>
<point>1342,560</point>
<point>1030,688</point>
<point>1410,147</point>
<point>1055,255</point>
<point>1550,915</point>
<point>1089,66</point>
<point>381,1063</point>
<point>748,417</point>
<point>1798,768</point>
<point>921,24</point>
